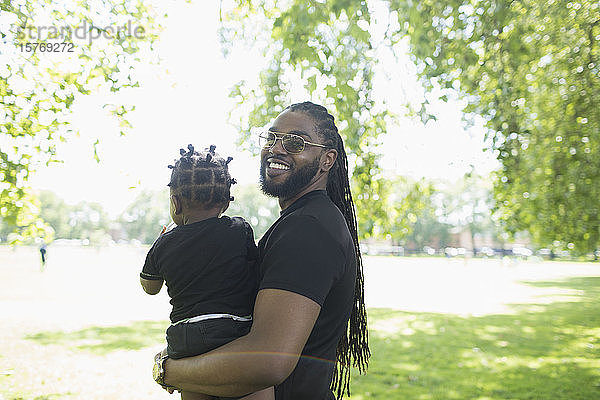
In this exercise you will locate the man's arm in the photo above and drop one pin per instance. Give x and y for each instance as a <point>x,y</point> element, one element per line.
<point>282,323</point>
<point>151,286</point>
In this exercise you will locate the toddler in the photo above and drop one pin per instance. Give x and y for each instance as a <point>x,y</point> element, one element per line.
<point>207,262</point>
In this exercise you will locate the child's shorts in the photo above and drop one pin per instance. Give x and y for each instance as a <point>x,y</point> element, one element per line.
<point>192,339</point>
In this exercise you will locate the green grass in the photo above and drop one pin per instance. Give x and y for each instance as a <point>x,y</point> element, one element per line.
<point>543,351</point>
<point>103,340</point>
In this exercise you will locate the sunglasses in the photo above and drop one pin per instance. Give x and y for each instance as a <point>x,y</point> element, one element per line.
<point>293,144</point>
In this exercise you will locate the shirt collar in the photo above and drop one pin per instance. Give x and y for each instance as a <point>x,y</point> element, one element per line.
<point>303,200</point>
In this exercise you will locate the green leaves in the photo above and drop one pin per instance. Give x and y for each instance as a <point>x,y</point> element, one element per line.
<point>327,45</point>
<point>531,69</point>
<point>50,61</point>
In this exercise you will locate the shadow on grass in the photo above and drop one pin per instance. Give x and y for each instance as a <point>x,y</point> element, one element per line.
<point>102,339</point>
<point>543,351</point>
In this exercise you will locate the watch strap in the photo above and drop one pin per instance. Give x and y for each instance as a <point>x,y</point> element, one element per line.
<point>160,378</point>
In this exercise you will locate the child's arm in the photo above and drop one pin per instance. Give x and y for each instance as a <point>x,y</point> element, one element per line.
<point>151,286</point>
<point>149,279</point>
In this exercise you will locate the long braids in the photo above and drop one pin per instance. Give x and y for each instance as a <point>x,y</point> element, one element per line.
<point>353,347</point>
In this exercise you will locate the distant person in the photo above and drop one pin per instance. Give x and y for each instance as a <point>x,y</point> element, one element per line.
<point>43,251</point>
<point>207,262</point>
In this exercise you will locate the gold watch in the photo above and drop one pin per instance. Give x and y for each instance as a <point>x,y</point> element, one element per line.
<point>158,372</point>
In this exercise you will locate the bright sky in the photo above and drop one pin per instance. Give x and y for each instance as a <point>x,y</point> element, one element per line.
<point>189,104</point>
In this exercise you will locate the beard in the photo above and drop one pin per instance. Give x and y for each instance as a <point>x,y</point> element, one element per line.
<point>295,182</point>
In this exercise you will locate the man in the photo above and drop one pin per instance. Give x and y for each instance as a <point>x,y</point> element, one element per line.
<point>309,316</point>
<point>43,251</point>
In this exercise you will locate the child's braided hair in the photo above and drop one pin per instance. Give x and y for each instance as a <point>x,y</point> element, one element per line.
<point>201,178</point>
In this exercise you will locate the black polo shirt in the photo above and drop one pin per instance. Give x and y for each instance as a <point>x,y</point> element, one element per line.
<point>208,267</point>
<point>309,251</point>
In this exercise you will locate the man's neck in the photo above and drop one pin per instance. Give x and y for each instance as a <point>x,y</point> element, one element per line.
<point>319,184</point>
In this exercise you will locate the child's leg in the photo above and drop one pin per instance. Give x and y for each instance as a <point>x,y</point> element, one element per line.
<point>195,396</point>
<point>265,394</point>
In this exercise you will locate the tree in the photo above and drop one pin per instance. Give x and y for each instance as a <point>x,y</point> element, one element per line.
<point>53,52</point>
<point>55,212</point>
<point>529,67</point>
<point>467,204</point>
<point>84,220</point>
<point>89,221</point>
<point>143,218</point>
<point>532,69</point>
<point>328,48</point>
<point>30,225</point>
<point>259,210</point>
<point>408,202</point>
<point>428,230</point>
<point>325,46</point>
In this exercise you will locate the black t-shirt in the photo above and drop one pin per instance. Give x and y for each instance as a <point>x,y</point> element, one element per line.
<point>208,267</point>
<point>309,251</point>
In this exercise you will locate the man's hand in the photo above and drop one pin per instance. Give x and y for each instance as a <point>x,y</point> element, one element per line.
<point>158,356</point>
<point>265,357</point>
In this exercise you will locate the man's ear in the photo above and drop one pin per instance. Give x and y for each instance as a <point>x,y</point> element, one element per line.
<point>328,159</point>
<point>176,204</point>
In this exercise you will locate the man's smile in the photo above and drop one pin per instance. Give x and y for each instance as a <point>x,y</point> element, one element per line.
<point>276,167</point>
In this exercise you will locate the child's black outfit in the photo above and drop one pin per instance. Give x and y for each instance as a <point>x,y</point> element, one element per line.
<point>209,269</point>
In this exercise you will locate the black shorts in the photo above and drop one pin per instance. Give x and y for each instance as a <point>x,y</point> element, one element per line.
<point>192,339</point>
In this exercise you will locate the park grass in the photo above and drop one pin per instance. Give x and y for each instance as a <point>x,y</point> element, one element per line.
<point>105,339</point>
<point>540,351</point>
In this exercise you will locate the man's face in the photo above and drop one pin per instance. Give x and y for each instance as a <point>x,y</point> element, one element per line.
<point>282,174</point>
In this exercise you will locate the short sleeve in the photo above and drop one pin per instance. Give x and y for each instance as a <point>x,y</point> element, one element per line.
<point>252,250</point>
<point>303,259</point>
<point>150,269</point>
<point>250,243</point>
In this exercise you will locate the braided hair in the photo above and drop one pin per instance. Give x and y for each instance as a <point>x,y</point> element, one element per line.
<point>201,178</point>
<point>353,347</point>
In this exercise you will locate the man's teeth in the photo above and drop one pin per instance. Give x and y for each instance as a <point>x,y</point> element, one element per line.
<point>278,166</point>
